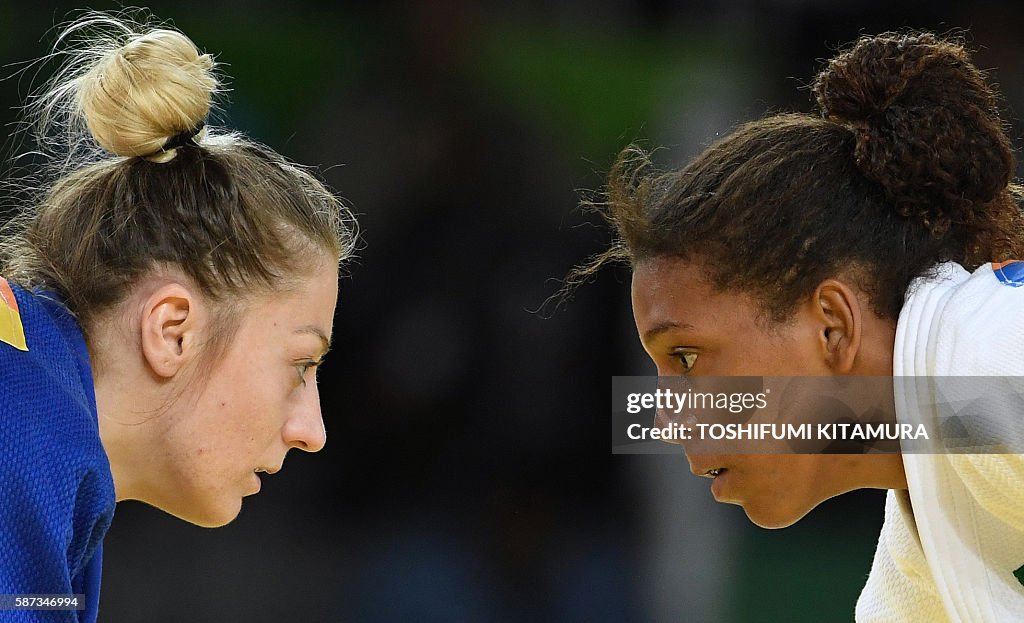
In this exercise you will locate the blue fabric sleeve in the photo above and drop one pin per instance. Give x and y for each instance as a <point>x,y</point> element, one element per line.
<point>56,490</point>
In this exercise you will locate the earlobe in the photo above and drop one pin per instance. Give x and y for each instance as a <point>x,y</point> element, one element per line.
<point>167,326</point>
<point>840,315</point>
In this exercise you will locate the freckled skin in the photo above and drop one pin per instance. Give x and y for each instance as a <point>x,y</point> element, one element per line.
<point>265,410</point>
<point>774,490</point>
<point>196,459</point>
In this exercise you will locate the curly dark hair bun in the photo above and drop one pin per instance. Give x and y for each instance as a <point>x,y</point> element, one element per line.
<point>927,125</point>
<point>908,167</point>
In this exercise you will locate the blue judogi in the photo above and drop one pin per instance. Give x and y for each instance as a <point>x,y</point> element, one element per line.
<point>56,489</point>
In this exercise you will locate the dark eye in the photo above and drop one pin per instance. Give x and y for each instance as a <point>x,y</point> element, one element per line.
<point>687,359</point>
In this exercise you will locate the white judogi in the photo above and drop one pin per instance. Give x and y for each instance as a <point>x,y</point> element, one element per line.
<point>949,545</point>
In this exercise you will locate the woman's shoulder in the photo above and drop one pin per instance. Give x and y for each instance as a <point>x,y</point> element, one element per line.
<point>59,494</point>
<point>981,331</point>
<point>48,419</point>
<point>956,323</point>
<point>41,346</point>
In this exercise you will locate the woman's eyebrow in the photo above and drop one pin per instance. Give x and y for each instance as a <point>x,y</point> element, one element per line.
<point>662,327</point>
<point>320,334</point>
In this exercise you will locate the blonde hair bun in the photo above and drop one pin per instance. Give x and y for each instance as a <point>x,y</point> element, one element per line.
<point>140,95</point>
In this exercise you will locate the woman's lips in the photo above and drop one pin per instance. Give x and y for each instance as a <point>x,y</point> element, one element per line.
<point>717,483</point>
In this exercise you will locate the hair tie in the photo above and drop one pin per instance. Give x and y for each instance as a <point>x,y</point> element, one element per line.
<point>183,138</point>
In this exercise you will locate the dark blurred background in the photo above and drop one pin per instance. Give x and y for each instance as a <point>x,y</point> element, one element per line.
<point>468,475</point>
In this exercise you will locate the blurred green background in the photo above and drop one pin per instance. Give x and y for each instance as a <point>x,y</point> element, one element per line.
<point>467,475</point>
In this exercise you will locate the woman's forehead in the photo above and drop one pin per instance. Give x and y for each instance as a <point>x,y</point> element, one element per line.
<point>672,293</point>
<point>670,282</point>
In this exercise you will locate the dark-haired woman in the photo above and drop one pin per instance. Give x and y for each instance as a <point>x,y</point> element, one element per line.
<point>875,239</point>
<point>163,307</point>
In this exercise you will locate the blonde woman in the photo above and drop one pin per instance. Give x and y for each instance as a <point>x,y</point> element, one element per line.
<point>164,304</point>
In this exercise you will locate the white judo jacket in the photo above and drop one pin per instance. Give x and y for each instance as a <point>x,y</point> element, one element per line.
<point>950,545</point>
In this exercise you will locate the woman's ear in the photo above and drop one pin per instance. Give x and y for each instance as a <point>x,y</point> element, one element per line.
<point>169,325</point>
<point>838,310</point>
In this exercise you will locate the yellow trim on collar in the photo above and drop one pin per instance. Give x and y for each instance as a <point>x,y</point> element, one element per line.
<point>11,330</point>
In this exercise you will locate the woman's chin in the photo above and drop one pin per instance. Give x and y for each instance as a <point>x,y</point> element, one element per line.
<point>774,516</point>
<point>209,513</point>
<point>214,520</point>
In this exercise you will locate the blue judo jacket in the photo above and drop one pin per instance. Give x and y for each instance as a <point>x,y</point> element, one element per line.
<point>56,489</point>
